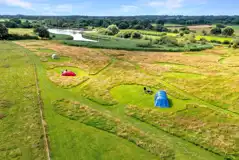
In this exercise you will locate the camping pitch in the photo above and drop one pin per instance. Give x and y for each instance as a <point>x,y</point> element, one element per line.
<point>161,100</point>
<point>68,73</point>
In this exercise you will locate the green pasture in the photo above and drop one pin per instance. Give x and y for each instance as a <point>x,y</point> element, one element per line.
<point>217,38</point>
<point>21,31</point>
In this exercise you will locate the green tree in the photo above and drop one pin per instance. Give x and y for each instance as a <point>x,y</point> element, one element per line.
<point>228,31</point>
<point>11,24</point>
<point>42,32</point>
<point>123,25</point>
<point>26,24</point>
<point>160,21</point>
<point>3,32</point>
<point>160,28</point>
<point>216,31</point>
<point>113,29</point>
<point>16,20</point>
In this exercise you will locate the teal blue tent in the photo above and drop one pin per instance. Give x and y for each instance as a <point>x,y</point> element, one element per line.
<point>161,100</point>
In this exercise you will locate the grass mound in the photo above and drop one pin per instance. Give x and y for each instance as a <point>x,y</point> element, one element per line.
<point>67,82</point>
<point>84,114</point>
<point>210,129</point>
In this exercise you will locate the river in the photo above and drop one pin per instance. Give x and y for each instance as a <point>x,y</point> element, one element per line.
<point>77,35</point>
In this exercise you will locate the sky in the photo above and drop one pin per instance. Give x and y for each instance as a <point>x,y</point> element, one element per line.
<point>120,7</point>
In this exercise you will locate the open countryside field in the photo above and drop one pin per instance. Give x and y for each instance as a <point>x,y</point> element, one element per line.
<point>21,31</point>
<point>21,133</point>
<point>104,112</point>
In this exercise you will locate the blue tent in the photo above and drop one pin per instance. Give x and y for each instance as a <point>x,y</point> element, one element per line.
<point>161,100</point>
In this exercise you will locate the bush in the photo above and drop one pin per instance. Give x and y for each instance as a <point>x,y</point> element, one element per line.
<point>216,31</point>
<point>175,31</point>
<point>112,29</point>
<point>3,31</point>
<point>170,41</point>
<point>235,43</point>
<point>21,37</point>
<point>156,41</point>
<point>181,34</point>
<point>136,35</point>
<point>220,26</point>
<point>42,32</point>
<point>228,31</point>
<point>124,34</point>
<point>216,41</point>
<point>184,29</point>
<point>186,32</point>
<point>144,44</point>
<point>226,42</point>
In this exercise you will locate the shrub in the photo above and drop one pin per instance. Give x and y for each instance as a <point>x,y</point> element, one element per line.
<point>186,32</point>
<point>181,34</point>
<point>204,32</point>
<point>175,31</point>
<point>184,29</point>
<point>228,31</point>
<point>216,41</point>
<point>226,42</point>
<point>220,26</point>
<point>136,35</point>
<point>216,31</point>
<point>124,34</point>
<point>21,37</point>
<point>3,31</point>
<point>156,41</point>
<point>143,44</point>
<point>112,29</point>
<point>168,40</point>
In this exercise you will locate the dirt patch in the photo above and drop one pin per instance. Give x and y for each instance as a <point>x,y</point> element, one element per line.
<point>5,104</point>
<point>2,115</point>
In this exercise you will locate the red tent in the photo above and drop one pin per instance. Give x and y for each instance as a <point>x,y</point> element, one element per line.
<point>68,73</point>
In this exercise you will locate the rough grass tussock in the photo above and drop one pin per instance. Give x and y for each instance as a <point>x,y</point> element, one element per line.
<point>84,114</point>
<point>216,131</point>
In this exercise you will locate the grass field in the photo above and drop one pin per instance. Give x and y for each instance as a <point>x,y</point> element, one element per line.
<point>21,130</point>
<point>108,115</point>
<point>21,31</point>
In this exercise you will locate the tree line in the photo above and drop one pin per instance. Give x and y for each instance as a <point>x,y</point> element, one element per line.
<point>123,22</point>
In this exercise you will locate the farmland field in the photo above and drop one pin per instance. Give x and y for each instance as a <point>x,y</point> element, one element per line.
<point>21,31</point>
<point>103,112</point>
